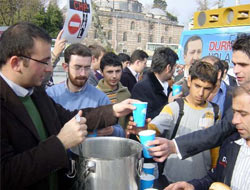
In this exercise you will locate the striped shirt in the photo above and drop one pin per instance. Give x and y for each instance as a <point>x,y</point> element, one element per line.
<point>241,173</point>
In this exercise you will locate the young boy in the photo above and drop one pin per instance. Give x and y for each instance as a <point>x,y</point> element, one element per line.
<point>198,114</point>
<point>111,68</point>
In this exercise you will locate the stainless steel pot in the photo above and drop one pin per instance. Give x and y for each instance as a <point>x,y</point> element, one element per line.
<point>109,163</point>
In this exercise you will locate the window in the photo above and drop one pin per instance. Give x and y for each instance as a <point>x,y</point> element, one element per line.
<point>166,28</point>
<point>95,34</point>
<point>139,38</point>
<point>162,39</point>
<point>132,26</point>
<point>110,35</point>
<point>151,26</point>
<point>170,40</point>
<point>110,21</point>
<point>150,38</point>
<point>124,36</point>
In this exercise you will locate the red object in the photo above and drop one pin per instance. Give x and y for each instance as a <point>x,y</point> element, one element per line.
<point>74,24</point>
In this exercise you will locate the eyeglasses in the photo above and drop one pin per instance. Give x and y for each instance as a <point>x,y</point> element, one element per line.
<point>79,68</point>
<point>42,62</point>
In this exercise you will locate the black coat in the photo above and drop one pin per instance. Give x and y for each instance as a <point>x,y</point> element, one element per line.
<point>225,165</point>
<point>128,80</point>
<point>150,90</point>
<point>26,161</point>
<point>232,81</point>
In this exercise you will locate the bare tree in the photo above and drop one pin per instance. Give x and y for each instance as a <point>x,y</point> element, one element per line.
<point>219,3</point>
<point>98,26</point>
<point>205,4</point>
<point>202,5</point>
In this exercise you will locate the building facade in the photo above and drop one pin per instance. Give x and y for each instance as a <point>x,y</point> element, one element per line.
<point>127,27</point>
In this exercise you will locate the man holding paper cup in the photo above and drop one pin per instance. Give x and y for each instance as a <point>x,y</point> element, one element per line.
<point>35,131</point>
<point>198,114</point>
<point>154,88</point>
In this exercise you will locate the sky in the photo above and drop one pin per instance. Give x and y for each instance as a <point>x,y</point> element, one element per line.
<point>184,9</point>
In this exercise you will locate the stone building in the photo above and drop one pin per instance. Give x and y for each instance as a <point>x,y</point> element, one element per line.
<point>126,27</point>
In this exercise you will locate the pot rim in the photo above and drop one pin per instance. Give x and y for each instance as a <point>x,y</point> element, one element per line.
<point>114,138</point>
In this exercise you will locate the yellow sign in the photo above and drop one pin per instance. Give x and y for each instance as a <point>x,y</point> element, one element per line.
<point>223,17</point>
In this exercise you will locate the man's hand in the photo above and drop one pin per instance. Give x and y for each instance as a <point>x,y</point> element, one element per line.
<point>162,148</point>
<point>107,131</point>
<point>73,132</point>
<point>171,98</point>
<point>182,185</point>
<point>59,44</point>
<point>124,108</point>
<point>133,129</point>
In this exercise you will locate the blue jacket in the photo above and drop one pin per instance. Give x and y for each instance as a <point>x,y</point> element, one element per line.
<point>225,165</point>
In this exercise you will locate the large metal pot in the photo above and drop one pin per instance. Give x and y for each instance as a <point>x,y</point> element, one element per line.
<point>109,163</point>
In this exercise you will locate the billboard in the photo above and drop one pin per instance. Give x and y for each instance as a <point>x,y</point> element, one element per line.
<point>214,41</point>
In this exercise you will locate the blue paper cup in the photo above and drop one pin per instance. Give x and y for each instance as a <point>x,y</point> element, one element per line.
<point>94,134</point>
<point>139,113</point>
<point>145,137</point>
<point>176,89</point>
<point>147,181</point>
<point>148,168</point>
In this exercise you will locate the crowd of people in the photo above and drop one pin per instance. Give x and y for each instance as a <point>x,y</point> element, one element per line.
<point>203,133</point>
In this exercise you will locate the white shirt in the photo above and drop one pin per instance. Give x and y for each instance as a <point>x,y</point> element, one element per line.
<point>135,74</point>
<point>164,85</point>
<point>241,173</point>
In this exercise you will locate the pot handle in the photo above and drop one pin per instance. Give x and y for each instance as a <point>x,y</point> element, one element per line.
<point>139,166</point>
<point>90,167</point>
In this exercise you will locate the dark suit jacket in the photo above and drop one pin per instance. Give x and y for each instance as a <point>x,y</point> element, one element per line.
<point>225,165</point>
<point>232,81</point>
<point>228,99</point>
<point>198,141</point>
<point>150,90</point>
<point>25,160</point>
<point>127,79</point>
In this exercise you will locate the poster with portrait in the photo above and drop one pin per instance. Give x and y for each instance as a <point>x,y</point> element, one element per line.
<point>78,20</point>
<point>195,44</point>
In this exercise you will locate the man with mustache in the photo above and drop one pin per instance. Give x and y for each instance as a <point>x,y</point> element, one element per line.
<point>76,92</point>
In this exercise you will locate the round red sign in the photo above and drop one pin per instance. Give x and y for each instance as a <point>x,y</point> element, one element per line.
<point>74,24</point>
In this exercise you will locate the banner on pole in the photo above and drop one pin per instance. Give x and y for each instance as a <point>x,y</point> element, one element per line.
<point>78,20</point>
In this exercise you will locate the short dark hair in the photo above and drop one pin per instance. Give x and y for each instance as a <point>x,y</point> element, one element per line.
<point>96,50</point>
<point>216,62</point>
<point>244,88</point>
<point>204,71</point>
<point>162,57</point>
<point>242,43</point>
<point>193,38</point>
<point>138,55</point>
<point>124,57</point>
<point>76,49</point>
<point>225,64</point>
<point>18,40</point>
<point>110,59</point>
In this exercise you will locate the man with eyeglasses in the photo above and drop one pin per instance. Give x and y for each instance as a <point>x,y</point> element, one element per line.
<point>76,92</point>
<point>36,133</point>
